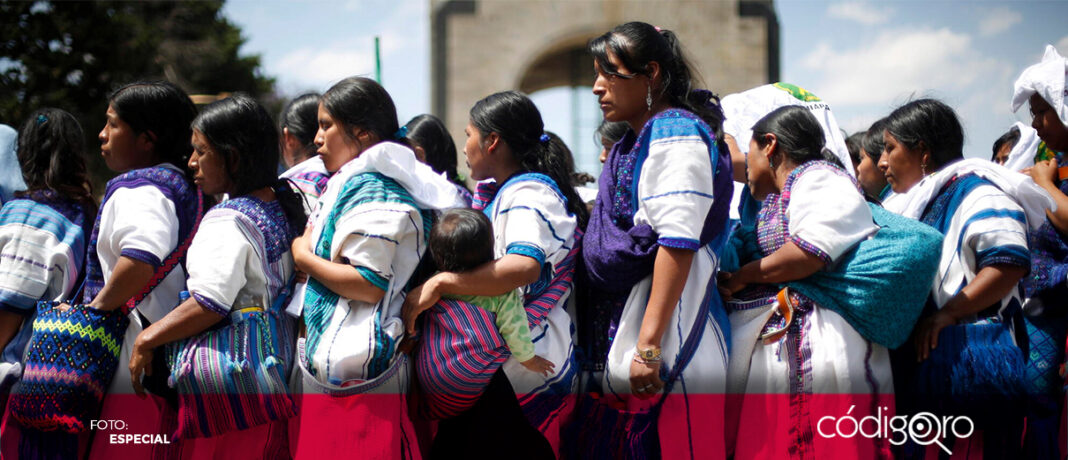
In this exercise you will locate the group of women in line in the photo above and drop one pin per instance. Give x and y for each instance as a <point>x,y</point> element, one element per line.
<point>681,311</point>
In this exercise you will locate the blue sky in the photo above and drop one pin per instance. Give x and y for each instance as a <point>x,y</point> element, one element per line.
<point>863,58</point>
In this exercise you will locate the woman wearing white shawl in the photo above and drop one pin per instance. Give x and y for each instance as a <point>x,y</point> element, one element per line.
<point>743,109</point>
<point>1043,86</point>
<point>359,252</point>
<point>1023,151</point>
<point>984,211</point>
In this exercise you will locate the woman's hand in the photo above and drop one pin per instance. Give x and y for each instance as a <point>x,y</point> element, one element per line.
<point>63,306</point>
<point>927,333</point>
<point>419,300</point>
<point>729,283</point>
<point>299,276</point>
<point>645,379</point>
<point>1045,172</point>
<point>140,362</point>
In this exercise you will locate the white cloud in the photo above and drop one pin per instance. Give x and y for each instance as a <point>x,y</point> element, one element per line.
<point>317,68</point>
<point>896,65</point>
<point>998,20</point>
<point>862,12</point>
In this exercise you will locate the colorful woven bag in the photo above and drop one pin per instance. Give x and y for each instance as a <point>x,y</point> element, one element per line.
<point>234,377</point>
<point>71,359</point>
<point>72,356</point>
<point>976,371</point>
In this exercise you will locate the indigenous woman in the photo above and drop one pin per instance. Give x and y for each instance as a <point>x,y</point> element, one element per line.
<point>300,121</point>
<point>536,214</point>
<point>43,234</point>
<point>660,217</point>
<point>871,178</point>
<point>809,352</point>
<point>984,212</point>
<point>238,260</point>
<point>360,252</point>
<point>434,146</point>
<point>1043,86</point>
<point>148,212</point>
<point>744,109</point>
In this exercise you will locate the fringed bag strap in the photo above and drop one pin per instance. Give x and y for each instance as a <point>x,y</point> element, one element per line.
<point>172,261</point>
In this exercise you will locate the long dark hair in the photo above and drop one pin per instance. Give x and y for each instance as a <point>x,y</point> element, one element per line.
<point>611,131</point>
<point>362,102</point>
<point>241,131</point>
<point>515,118</point>
<point>429,132</point>
<point>854,143</point>
<point>301,117</point>
<point>873,143</point>
<point>930,123</point>
<point>1011,137</point>
<point>164,111</point>
<point>559,147</point>
<point>51,153</point>
<point>799,134</point>
<point>636,44</point>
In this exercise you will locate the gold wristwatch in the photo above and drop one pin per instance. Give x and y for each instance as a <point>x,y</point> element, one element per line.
<point>648,354</point>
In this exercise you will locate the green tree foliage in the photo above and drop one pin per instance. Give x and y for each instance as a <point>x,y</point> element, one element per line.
<point>71,55</point>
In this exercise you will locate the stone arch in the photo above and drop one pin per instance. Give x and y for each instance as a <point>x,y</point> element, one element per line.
<point>481,47</point>
<point>564,62</point>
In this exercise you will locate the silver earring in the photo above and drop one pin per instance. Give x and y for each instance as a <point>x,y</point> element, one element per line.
<point>771,163</point>
<point>649,98</point>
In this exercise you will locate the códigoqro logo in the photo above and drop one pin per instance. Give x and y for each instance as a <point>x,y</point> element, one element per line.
<point>923,428</point>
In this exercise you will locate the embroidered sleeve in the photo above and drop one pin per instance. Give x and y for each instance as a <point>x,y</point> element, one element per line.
<point>675,185</point>
<point>994,228</point>
<point>532,221</point>
<point>217,260</point>
<point>38,256</point>
<point>369,236</point>
<point>144,223</point>
<point>827,214</point>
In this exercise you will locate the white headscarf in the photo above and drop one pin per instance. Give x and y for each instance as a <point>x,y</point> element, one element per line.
<point>744,109</point>
<point>1022,154</point>
<point>1047,78</point>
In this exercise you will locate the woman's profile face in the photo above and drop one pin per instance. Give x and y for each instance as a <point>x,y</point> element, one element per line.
<point>902,166</point>
<point>474,150</point>
<point>1045,121</point>
<point>335,147</point>
<point>606,146</point>
<point>1003,154</point>
<point>121,147</point>
<point>209,168</point>
<point>621,98</point>
<point>758,171</point>
<point>869,175</point>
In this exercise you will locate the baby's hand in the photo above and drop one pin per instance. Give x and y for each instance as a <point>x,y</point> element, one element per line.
<point>539,365</point>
